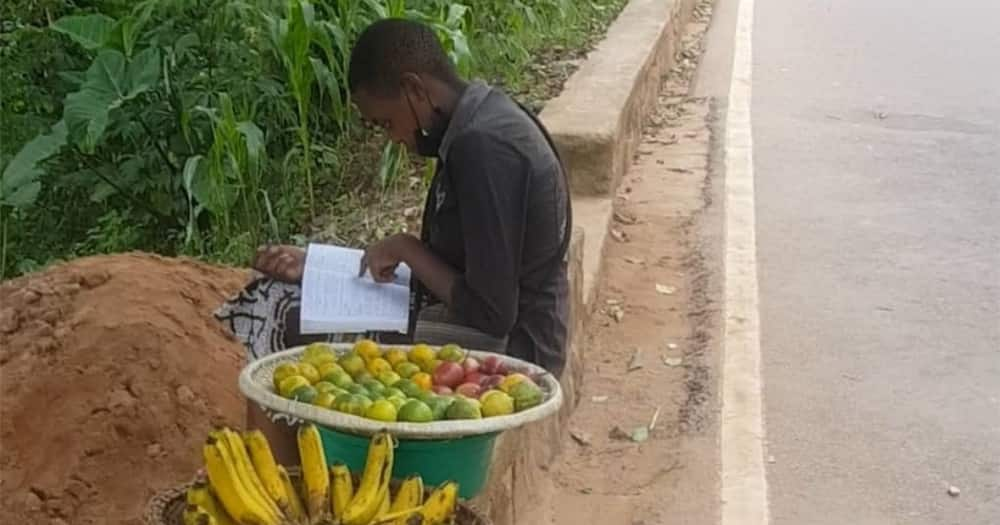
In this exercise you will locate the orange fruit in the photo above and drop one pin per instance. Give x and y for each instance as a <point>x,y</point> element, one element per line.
<point>496,403</point>
<point>423,380</point>
<point>416,411</point>
<point>509,382</point>
<point>367,349</point>
<point>406,369</point>
<point>395,356</point>
<point>381,410</point>
<point>318,352</point>
<point>453,353</point>
<point>421,354</point>
<point>430,366</point>
<point>283,371</point>
<point>290,384</point>
<point>378,366</point>
<point>324,399</point>
<point>327,367</point>
<point>309,372</point>
<point>353,364</point>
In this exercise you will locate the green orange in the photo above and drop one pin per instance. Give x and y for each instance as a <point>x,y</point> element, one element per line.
<point>381,410</point>
<point>416,411</point>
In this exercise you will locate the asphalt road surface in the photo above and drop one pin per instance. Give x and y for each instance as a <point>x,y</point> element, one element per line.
<point>876,128</point>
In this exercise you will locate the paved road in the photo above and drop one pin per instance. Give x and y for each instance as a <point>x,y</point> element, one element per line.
<point>877,158</point>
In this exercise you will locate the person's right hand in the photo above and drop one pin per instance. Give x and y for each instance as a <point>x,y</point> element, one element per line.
<point>282,262</point>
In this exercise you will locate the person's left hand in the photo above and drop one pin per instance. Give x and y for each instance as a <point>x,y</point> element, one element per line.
<point>382,258</point>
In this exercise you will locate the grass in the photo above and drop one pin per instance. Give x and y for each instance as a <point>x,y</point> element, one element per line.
<point>266,149</point>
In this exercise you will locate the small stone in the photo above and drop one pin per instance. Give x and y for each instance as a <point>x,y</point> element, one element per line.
<point>9,322</point>
<point>57,521</point>
<point>93,280</point>
<point>771,459</point>
<point>634,363</point>
<point>663,289</point>
<point>625,218</point>
<point>121,397</point>
<point>619,433</point>
<point>617,313</point>
<point>32,501</point>
<point>582,438</point>
<point>954,491</point>
<point>673,361</point>
<point>184,394</point>
<point>154,450</point>
<point>31,296</point>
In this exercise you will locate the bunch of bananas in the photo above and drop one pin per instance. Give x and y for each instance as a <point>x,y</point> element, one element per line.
<point>247,487</point>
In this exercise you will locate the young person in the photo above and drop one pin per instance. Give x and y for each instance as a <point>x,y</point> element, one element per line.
<point>491,257</point>
<point>489,268</point>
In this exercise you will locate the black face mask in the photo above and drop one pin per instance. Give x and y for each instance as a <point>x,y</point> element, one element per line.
<point>428,138</point>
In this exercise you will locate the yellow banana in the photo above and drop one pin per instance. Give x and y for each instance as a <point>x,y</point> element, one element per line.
<point>296,512</point>
<point>374,482</point>
<point>409,516</point>
<point>232,494</point>
<point>409,495</point>
<point>266,467</point>
<point>383,508</point>
<point>315,475</point>
<point>193,515</point>
<point>439,508</point>
<point>246,481</point>
<point>199,495</point>
<point>244,469</point>
<point>342,490</point>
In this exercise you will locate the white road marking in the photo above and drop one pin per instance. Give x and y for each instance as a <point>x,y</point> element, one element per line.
<point>744,481</point>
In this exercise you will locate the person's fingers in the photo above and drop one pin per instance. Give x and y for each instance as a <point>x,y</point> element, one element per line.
<point>263,262</point>
<point>260,256</point>
<point>272,261</point>
<point>279,262</point>
<point>382,276</point>
<point>282,266</point>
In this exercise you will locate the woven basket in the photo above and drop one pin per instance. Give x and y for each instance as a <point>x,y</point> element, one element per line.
<point>256,383</point>
<point>167,507</point>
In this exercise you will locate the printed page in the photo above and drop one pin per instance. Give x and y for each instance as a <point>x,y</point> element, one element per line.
<point>336,300</point>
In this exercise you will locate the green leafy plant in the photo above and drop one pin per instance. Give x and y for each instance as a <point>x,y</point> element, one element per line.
<point>205,127</point>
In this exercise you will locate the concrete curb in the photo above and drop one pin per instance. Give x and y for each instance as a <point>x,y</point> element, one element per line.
<point>597,120</point>
<point>597,125</point>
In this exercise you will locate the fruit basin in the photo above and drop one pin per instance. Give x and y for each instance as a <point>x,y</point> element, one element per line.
<point>256,382</point>
<point>465,460</point>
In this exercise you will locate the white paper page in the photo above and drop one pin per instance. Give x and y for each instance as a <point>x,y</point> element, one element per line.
<point>335,299</point>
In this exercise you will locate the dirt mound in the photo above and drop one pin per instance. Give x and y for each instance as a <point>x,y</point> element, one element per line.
<point>112,370</point>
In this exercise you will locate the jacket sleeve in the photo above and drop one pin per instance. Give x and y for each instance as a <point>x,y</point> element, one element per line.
<point>491,181</point>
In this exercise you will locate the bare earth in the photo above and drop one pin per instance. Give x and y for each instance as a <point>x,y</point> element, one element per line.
<point>658,277</point>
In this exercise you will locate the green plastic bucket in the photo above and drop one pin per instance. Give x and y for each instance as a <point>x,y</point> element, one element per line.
<point>465,460</point>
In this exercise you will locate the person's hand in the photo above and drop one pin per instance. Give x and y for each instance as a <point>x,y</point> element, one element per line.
<point>382,258</point>
<point>283,263</point>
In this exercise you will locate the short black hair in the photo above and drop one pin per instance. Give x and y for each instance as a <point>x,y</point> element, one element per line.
<point>390,47</point>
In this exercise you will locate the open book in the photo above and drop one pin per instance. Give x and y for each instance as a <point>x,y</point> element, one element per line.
<point>336,300</point>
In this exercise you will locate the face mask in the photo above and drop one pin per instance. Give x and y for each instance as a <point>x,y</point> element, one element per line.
<point>428,139</point>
